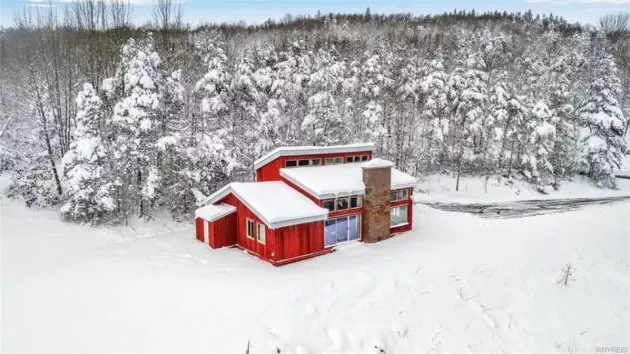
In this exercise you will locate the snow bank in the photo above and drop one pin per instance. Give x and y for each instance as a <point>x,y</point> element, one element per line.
<point>496,188</point>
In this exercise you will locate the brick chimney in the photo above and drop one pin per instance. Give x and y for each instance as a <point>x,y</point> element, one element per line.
<point>377,175</point>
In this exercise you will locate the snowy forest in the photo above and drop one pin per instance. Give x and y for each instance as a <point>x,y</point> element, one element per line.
<point>108,120</point>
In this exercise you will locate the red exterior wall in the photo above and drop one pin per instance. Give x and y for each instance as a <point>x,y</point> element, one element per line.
<point>297,242</point>
<point>199,228</point>
<point>271,171</point>
<point>223,231</point>
<point>409,204</point>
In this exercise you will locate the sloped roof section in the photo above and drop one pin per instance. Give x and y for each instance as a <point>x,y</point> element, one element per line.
<point>212,212</point>
<point>330,181</point>
<point>277,204</point>
<point>311,150</point>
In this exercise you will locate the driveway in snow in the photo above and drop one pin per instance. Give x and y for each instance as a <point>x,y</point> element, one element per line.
<point>522,208</point>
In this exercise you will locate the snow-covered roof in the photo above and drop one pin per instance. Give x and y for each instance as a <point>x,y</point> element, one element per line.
<point>275,203</point>
<point>330,181</point>
<point>311,150</point>
<point>212,212</point>
<point>377,163</point>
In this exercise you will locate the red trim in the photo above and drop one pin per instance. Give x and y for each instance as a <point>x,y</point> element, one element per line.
<point>271,170</point>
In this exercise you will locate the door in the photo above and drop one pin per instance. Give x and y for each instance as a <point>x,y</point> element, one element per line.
<point>206,232</point>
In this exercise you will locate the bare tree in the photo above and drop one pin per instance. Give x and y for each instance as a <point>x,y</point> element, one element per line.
<point>615,23</point>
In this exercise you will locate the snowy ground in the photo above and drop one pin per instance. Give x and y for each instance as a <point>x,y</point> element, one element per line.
<point>497,189</point>
<point>456,283</point>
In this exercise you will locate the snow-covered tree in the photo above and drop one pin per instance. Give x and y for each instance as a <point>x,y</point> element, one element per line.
<point>88,187</point>
<point>323,124</point>
<point>603,118</point>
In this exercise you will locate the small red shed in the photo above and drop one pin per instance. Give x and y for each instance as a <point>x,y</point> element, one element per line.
<point>215,225</point>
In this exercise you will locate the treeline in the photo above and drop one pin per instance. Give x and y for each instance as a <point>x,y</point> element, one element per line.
<point>111,120</point>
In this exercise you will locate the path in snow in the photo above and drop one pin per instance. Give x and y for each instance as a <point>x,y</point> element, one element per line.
<point>523,208</point>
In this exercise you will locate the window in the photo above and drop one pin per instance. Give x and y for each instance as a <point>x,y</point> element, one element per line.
<point>304,162</point>
<point>261,233</point>
<point>342,203</point>
<point>249,226</point>
<point>329,204</point>
<point>357,158</point>
<point>355,201</point>
<point>399,194</point>
<point>398,216</point>
<point>333,160</point>
<point>341,230</point>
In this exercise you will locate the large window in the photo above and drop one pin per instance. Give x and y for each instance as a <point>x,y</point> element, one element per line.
<point>341,230</point>
<point>304,162</point>
<point>260,235</point>
<point>399,194</point>
<point>343,203</point>
<point>249,228</point>
<point>398,216</point>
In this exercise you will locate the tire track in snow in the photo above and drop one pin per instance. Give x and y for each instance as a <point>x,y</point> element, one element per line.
<point>523,208</point>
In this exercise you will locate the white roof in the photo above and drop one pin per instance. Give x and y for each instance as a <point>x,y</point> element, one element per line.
<point>377,163</point>
<point>311,150</point>
<point>277,204</point>
<point>330,181</point>
<point>213,212</point>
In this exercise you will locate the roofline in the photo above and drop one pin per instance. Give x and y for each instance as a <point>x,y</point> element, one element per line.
<point>284,174</point>
<point>315,194</point>
<point>232,209</point>
<point>311,150</point>
<point>227,189</point>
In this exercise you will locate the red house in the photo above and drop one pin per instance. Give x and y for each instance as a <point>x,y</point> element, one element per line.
<point>306,200</point>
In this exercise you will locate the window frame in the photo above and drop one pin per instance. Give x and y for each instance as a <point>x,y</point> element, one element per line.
<point>358,219</point>
<point>331,160</point>
<point>398,194</point>
<point>356,158</point>
<point>310,162</point>
<point>247,223</point>
<point>349,198</point>
<point>258,233</point>
<point>406,213</point>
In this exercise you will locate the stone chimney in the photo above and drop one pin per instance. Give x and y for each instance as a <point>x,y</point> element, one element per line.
<point>377,176</point>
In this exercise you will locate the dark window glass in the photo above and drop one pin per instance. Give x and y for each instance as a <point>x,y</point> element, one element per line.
<point>342,203</point>
<point>354,202</point>
<point>329,204</point>
<point>315,162</point>
<point>404,194</point>
<point>364,158</point>
<point>393,195</point>
<point>303,163</point>
<point>291,163</point>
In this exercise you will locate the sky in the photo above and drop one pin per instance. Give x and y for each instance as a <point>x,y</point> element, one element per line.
<point>257,11</point>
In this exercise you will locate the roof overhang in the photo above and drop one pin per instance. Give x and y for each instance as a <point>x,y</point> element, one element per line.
<point>227,189</point>
<point>311,150</point>
<point>320,196</point>
<point>212,212</point>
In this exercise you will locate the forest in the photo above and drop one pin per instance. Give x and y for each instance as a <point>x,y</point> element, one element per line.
<point>107,120</point>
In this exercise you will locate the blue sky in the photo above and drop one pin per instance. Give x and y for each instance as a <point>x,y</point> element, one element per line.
<point>256,11</point>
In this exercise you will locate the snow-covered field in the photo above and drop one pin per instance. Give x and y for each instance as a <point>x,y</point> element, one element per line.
<point>456,283</point>
<point>496,189</point>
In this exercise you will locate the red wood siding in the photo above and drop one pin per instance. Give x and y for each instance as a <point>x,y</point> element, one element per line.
<point>199,228</point>
<point>298,241</point>
<point>271,171</point>
<point>263,251</point>
<point>223,231</point>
